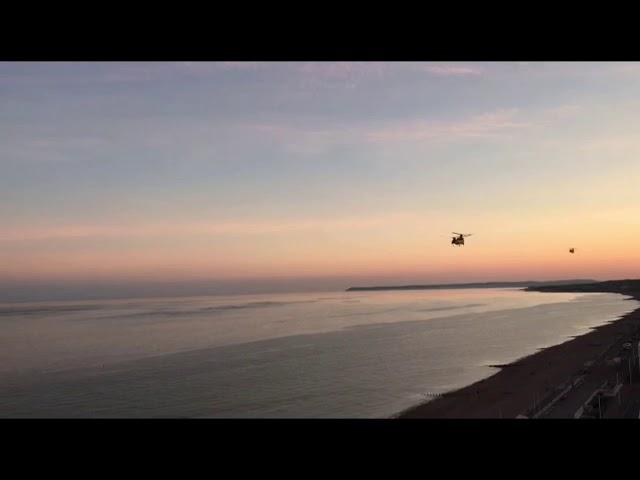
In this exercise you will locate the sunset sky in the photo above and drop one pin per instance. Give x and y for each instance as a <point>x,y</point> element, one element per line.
<point>135,172</point>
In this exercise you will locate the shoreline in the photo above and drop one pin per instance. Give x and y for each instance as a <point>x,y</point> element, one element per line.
<point>516,387</point>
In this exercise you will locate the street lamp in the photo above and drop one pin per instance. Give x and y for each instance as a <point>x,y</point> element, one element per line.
<point>599,407</point>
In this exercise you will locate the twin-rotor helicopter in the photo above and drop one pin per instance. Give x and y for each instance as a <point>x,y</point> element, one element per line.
<point>459,240</point>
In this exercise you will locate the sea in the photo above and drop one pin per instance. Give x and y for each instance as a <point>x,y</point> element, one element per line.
<point>364,354</point>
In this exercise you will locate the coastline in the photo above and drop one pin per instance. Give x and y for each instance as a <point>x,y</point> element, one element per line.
<point>517,386</point>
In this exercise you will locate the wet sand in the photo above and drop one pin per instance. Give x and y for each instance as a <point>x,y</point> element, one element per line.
<point>513,390</point>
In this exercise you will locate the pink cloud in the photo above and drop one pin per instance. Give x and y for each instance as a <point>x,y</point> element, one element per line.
<point>497,124</point>
<point>338,74</point>
<point>450,70</point>
<point>610,144</point>
<point>354,70</point>
<point>257,227</point>
<point>341,70</point>
<point>486,125</point>
<point>239,65</point>
<point>627,67</point>
<point>563,111</point>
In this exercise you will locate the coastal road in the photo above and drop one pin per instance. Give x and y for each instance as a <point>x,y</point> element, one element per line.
<point>600,373</point>
<point>567,407</point>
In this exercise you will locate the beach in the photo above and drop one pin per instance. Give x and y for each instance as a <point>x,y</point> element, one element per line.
<point>520,386</point>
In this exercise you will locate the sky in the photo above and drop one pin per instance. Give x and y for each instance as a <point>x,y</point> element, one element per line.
<point>338,173</point>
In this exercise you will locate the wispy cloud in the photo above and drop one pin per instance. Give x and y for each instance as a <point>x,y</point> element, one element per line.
<point>489,125</point>
<point>237,65</point>
<point>612,143</point>
<point>486,125</point>
<point>341,70</point>
<point>258,227</point>
<point>563,111</point>
<point>629,68</point>
<point>451,70</point>
<point>350,74</point>
<point>338,74</point>
<point>311,74</point>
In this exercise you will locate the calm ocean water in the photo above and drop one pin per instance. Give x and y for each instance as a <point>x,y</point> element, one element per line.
<point>342,354</point>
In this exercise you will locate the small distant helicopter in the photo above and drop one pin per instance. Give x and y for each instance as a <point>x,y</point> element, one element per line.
<point>459,240</point>
<point>572,250</point>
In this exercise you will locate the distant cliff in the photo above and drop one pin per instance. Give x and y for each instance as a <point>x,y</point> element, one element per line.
<point>632,287</point>
<point>528,284</point>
